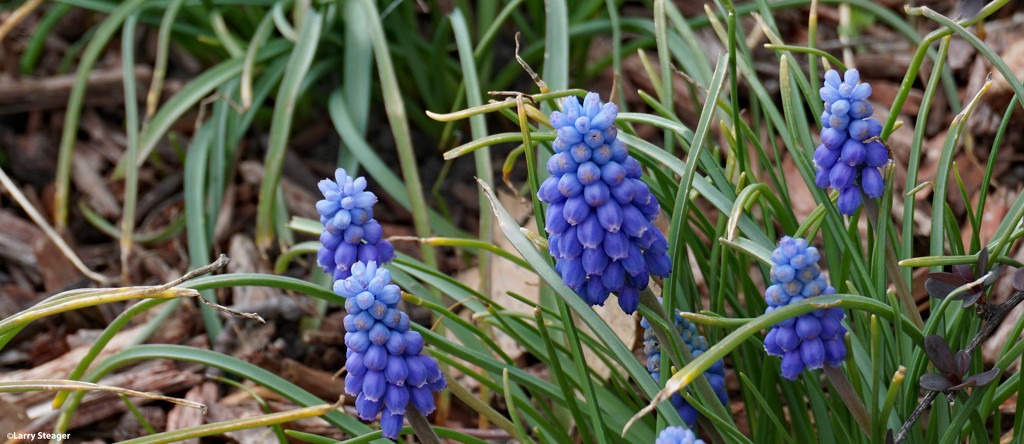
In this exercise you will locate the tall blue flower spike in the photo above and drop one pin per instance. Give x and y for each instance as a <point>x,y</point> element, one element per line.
<point>350,232</point>
<point>386,368</point>
<point>677,435</point>
<point>698,345</point>
<point>600,214</point>
<point>810,340</point>
<point>848,160</point>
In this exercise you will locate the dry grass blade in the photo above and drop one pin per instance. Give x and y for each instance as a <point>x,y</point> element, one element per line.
<point>23,11</point>
<point>50,232</point>
<point>63,384</point>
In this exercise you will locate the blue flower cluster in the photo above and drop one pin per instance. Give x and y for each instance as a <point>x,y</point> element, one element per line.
<point>600,215</point>
<point>350,232</point>
<point>677,435</point>
<point>386,370</point>
<point>810,340</point>
<point>698,345</point>
<point>847,161</point>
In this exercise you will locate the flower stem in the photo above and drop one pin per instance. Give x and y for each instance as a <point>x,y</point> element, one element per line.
<point>421,426</point>
<point>849,397</point>
<point>892,264</point>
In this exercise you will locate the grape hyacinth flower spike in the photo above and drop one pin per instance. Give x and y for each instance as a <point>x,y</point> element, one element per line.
<point>848,159</point>
<point>387,371</point>
<point>350,232</point>
<point>677,435</point>
<point>698,345</point>
<point>600,214</point>
<point>810,340</point>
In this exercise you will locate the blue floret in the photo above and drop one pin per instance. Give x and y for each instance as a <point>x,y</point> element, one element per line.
<point>848,158</point>
<point>600,214</point>
<point>677,435</point>
<point>811,340</point>
<point>350,232</point>
<point>386,370</point>
<point>698,344</point>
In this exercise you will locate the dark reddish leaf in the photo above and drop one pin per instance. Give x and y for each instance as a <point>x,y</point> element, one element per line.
<point>993,275</point>
<point>963,361</point>
<point>969,298</point>
<point>982,379</point>
<point>1018,279</point>
<point>963,271</point>
<point>938,352</point>
<point>889,438</point>
<point>948,278</point>
<point>935,382</point>
<point>939,289</point>
<point>983,260</point>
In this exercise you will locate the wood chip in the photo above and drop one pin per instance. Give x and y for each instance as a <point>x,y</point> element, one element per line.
<point>245,258</point>
<point>17,239</point>
<point>181,417</point>
<point>86,165</point>
<point>57,271</point>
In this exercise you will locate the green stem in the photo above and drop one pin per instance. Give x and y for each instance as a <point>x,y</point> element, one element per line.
<point>892,264</point>
<point>421,426</point>
<point>395,109</point>
<point>849,397</point>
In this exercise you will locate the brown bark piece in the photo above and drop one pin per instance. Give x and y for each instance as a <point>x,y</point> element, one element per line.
<point>17,238</point>
<point>86,165</point>
<point>245,258</point>
<point>318,382</point>
<point>56,270</point>
<point>181,417</point>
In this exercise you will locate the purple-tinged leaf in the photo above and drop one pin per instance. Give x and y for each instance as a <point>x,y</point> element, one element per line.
<point>969,298</point>
<point>939,289</point>
<point>963,361</point>
<point>1018,279</point>
<point>948,278</point>
<point>983,260</point>
<point>993,276</point>
<point>935,382</point>
<point>982,379</point>
<point>963,271</point>
<point>938,352</point>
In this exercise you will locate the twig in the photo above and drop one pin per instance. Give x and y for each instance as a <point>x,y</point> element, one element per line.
<point>998,312</point>
<point>221,261</point>
<point>526,67</point>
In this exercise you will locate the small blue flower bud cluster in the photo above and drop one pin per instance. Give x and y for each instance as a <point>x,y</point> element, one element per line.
<point>810,340</point>
<point>846,161</point>
<point>350,232</point>
<point>386,370</point>
<point>698,345</point>
<point>677,435</point>
<point>600,214</point>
